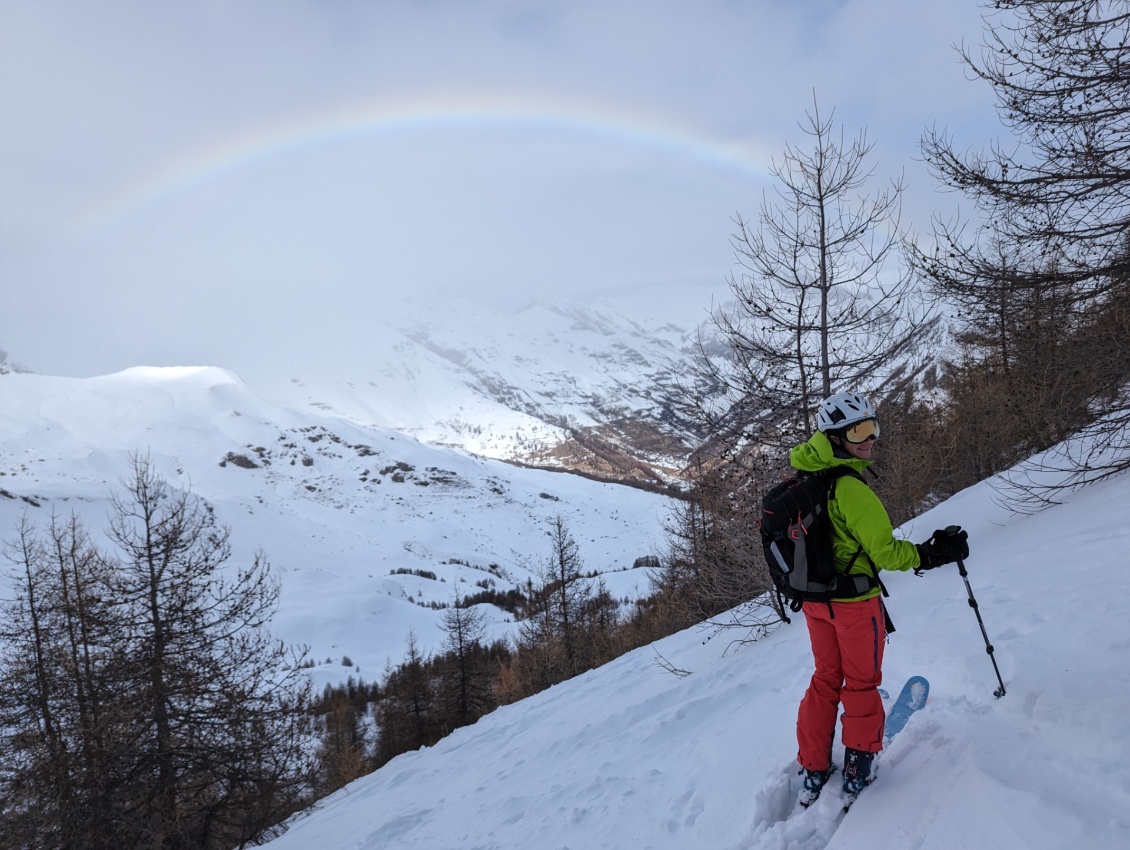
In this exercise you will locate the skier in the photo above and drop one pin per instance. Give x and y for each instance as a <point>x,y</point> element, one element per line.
<point>848,635</point>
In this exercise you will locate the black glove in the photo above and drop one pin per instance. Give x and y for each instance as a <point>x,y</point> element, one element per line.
<point>944,547</point>
<point>951,543</point>
<point>928,557</point>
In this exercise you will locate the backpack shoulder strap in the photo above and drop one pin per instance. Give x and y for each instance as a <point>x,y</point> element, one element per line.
<point>834,475</point>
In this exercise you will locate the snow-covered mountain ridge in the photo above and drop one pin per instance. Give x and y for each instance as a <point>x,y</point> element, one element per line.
<point>354,518</point>
<point>554,384</point>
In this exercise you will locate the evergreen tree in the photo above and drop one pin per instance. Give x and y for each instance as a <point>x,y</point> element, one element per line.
<point>406,715</point>
<point>466,677</point>
<point>1043,283</point>
<point>343,751</point>
<point>567,591</point>
<point>819,305</point>
<point>66,734</point>
<point>144,703</point>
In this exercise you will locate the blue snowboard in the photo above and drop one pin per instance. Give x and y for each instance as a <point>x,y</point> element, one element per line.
<point>912,698</point>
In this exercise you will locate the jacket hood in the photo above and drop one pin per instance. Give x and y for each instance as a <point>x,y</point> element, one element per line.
<point>817,454</point>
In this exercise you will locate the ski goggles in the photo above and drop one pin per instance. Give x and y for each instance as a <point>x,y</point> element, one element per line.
<point>863,431</point>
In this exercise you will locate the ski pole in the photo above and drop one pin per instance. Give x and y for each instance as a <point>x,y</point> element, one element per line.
<point>999,692</point>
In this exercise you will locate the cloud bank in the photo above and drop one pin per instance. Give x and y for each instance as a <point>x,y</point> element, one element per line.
<point>262,184</point>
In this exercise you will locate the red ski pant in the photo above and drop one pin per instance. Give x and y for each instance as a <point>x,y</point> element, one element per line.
<point>847,644</point>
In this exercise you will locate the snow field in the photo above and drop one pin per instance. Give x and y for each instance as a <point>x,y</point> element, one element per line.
<point>630,755</point>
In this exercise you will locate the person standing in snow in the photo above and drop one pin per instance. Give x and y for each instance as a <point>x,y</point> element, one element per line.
<point>848,635</point>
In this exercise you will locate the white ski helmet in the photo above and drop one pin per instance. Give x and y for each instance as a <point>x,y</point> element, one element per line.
<point>841,410</point>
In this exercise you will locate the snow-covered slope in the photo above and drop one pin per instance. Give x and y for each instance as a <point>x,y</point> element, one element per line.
<point>631,755</point>
<point>555,384</point>
<point>336,506</point>
<point>599,388</point>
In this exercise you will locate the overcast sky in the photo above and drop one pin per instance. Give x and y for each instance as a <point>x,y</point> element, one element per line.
<point>259,184</point>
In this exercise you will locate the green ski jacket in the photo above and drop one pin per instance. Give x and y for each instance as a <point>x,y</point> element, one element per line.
<point>858,517</point>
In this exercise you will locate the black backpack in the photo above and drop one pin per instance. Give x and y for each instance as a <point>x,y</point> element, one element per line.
<point>796,535</point>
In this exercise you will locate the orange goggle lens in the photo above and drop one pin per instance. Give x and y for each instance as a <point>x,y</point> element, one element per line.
<point>863,431</point>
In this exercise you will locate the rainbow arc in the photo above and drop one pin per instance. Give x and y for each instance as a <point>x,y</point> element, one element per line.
<point>241,153</point>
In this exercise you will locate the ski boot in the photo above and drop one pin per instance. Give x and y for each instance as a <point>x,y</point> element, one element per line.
<point>857,771</point>
<point>814,781</point>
